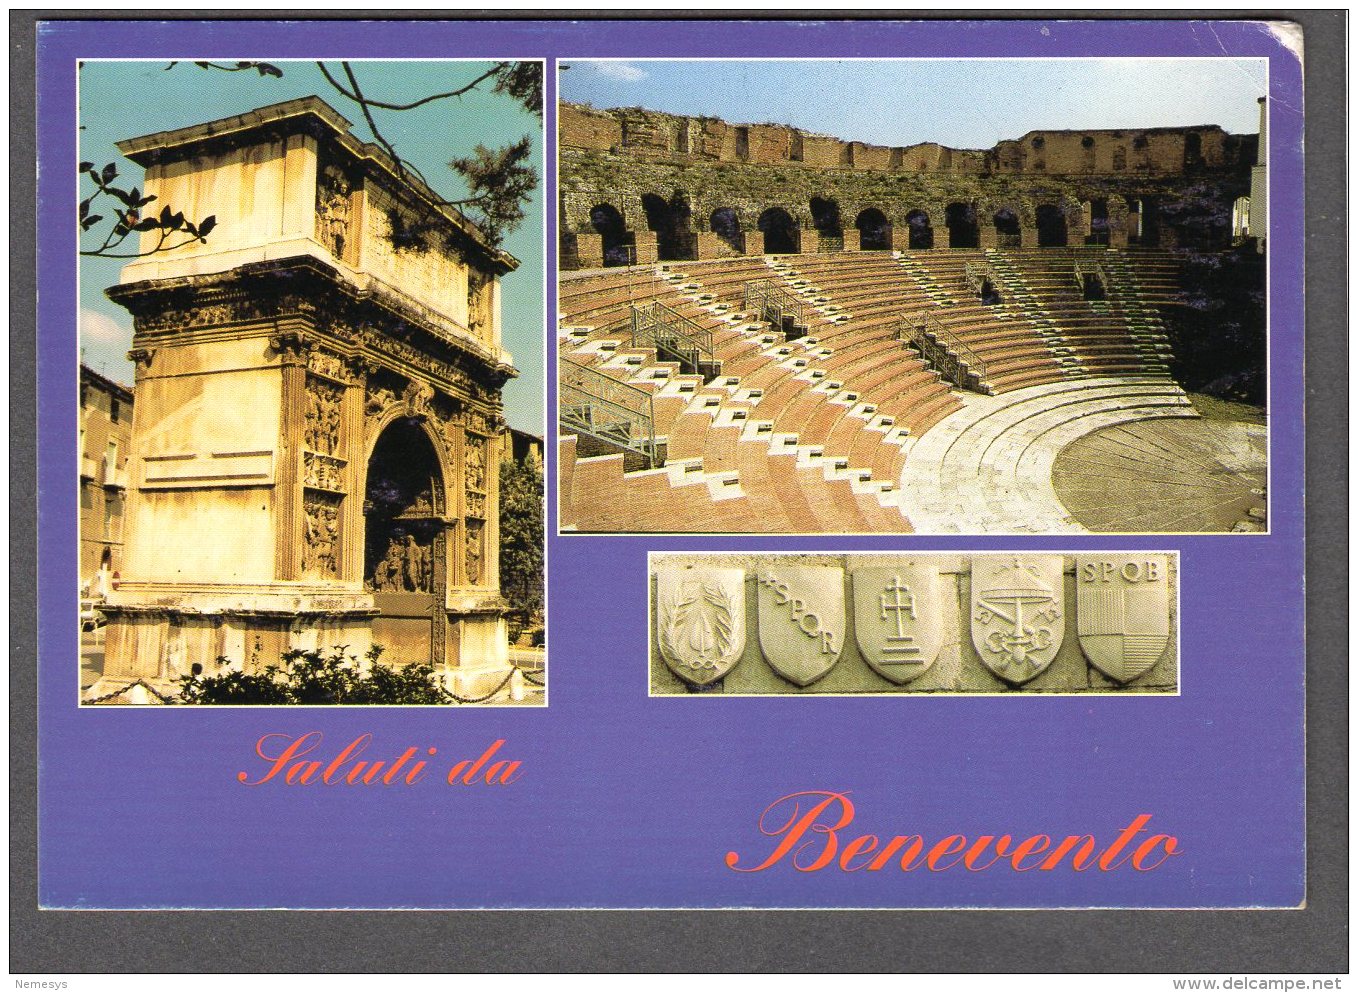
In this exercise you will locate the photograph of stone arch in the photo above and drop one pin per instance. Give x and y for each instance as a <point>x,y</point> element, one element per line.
<point>311,388</point>
<point>977,296</point>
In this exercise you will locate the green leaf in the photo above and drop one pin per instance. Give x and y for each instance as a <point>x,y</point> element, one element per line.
<point>110,173</point>
<point>207,225</point>
<point>84,167</point>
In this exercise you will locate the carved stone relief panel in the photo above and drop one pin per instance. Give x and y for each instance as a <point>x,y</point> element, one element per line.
<point>480,288</point>
<point>322,431</point>
<point>921,622</point>
<point>475,551</point>
<point>323,472</point>
<point>320,534</point>
<point>333,210</point>
<point>407,567</point>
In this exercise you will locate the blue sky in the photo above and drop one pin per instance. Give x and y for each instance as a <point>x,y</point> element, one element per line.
<point>962,103</point>
<point>115,103</point>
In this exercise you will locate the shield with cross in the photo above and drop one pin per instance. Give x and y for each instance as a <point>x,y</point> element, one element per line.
<point>1017,613</point>
<point>898,618</point>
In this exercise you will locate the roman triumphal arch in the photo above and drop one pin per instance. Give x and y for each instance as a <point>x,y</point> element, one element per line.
<point>318,393</point>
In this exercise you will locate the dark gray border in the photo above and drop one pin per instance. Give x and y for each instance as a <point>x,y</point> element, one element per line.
<point>1312,940</point>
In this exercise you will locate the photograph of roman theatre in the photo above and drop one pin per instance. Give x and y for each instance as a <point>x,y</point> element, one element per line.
<point>932,296</point>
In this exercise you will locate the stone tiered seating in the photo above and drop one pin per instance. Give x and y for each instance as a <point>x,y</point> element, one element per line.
<point>1104,338</point>
<point>987,468</point>
<point>843,428</point>
<point>761,427</point>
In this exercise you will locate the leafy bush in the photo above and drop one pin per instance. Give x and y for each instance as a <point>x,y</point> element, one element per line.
<point>316,677</point>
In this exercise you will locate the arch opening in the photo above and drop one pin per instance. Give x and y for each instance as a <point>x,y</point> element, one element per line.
<point>725,224</point>
<point>404,542</point>
<point>874,230</point>
<point>1007,231</point>
<point>781,235</point>
<point>921,234</point>
<point>608,223</point>
<point>1098,223</point>
<point>963,231</point>
<point>1051,226</point>
<point>825,217</point>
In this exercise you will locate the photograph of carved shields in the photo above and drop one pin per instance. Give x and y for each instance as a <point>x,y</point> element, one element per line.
<point>701,624</point>
<point>898,619</point>
<point>801,620</point>
<point>1122,611</point>
<point>1016,615</point>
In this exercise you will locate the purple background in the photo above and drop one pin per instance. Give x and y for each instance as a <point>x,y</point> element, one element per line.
<point>627,801</point>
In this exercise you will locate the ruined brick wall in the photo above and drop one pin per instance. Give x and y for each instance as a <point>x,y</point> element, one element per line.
<point>638,133</point>
<point>617,157</point>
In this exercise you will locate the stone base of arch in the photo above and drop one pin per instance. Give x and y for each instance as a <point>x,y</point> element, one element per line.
<point>252,627</point>
<point>989,237</point>
<point>851,240</point>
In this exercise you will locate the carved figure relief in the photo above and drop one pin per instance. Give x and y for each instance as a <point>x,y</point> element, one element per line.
<point>332,209</point>
<point>475,552</point>
<point>320,534</point>
<point>417,397</point>
<point>474,463</point>
<point>377,399</point>
<point>479,289</point>
<point>322,430</point>
<point>325,364</point>
<point>322,472</point>
<point>406,568</point>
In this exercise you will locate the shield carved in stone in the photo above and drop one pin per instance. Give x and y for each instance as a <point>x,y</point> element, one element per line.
<point>898,618</point>
<point>801,620</point>
<point>1017,615</point>
<point>1122,611</point>
<point>700,621</point>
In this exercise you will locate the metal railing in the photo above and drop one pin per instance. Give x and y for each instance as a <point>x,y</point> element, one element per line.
<point>947,354</point>
<point>674,336</point>
<point>607,409</point>
<point>773,303</point>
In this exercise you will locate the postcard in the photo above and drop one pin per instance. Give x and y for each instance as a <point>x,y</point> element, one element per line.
<point>507,465</point>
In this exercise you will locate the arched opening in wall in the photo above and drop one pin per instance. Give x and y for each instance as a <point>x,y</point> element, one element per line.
<point>405,542</point>
<point>1142,222</point>
<point>1007,232</point>
<point>825,216</point>
<point>725,224</point>
<point>781,236</point>
<point>1098,223</point>
<point>608,223</point>
<point>874,231</point>
<point>670,221</point>
<point>1051,226</point>
<point>921,234</point>
<point>963,231</point>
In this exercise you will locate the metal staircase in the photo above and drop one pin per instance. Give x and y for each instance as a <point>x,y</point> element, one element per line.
<point>616,414</point>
